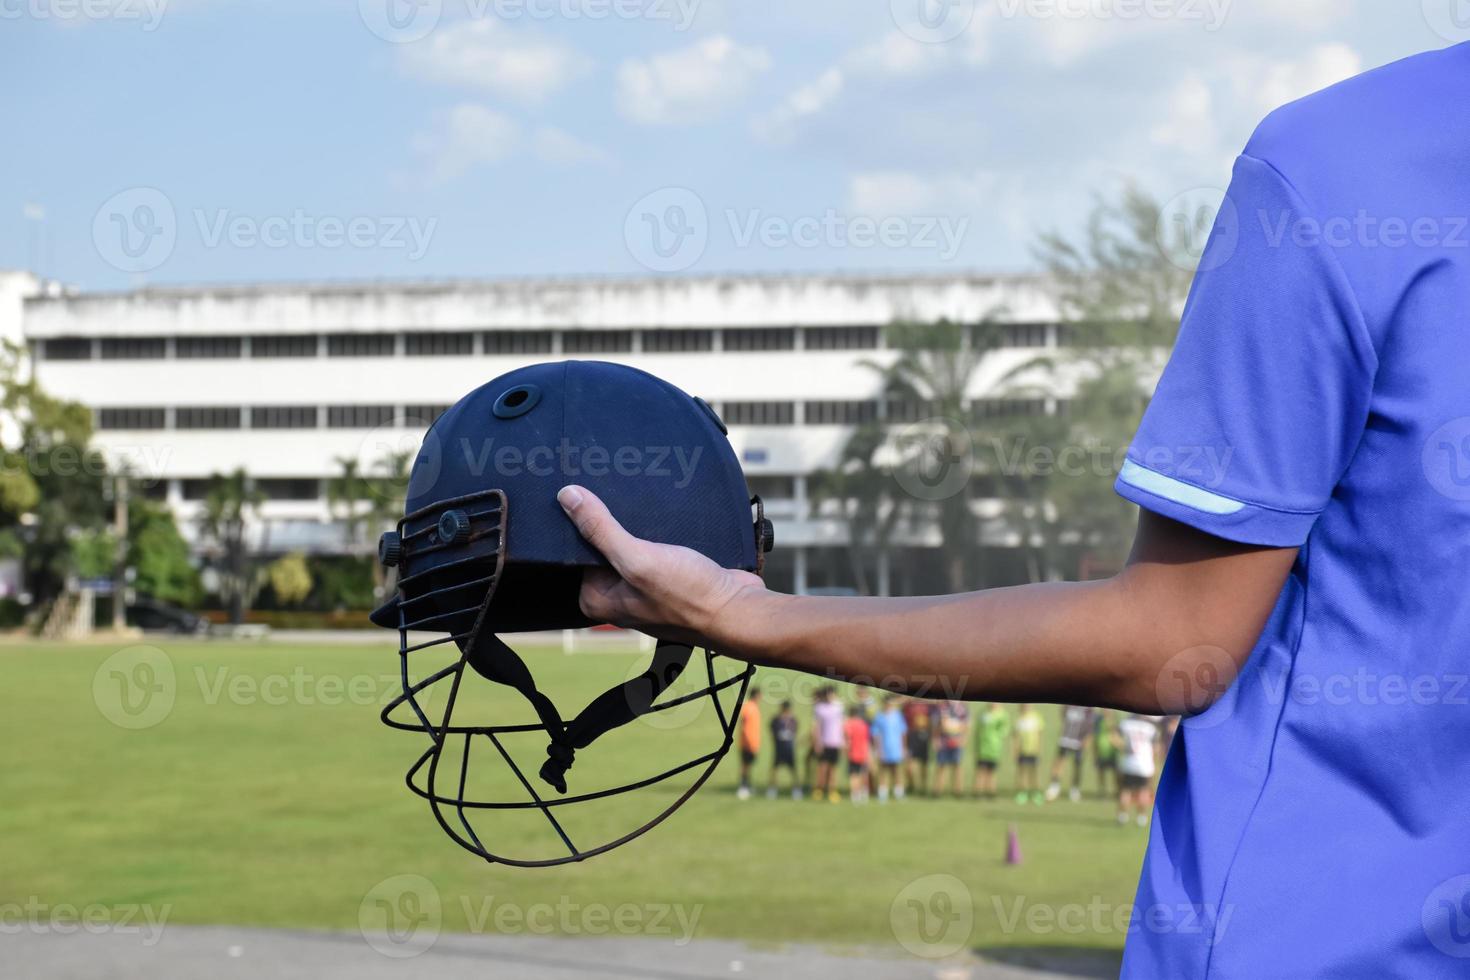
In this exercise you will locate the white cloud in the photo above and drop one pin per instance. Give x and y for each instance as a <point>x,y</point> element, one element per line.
<point>897,54</point>
<point>1189,118</point>
<point>889,192</point>
<point>894,55</point>
<point>1010,206</point>
<point>1275,83</point>
<point>901,192</point>
<point>1064,41</point>
<point>1305,13</point>
<point>470,136</point>
<point>780,123</point>
<point>465,137</point>
<point>557,146</point>
<point>484,54</point>
<point>691,84</point>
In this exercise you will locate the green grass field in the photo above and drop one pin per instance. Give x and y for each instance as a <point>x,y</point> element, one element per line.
<point>270,795</point>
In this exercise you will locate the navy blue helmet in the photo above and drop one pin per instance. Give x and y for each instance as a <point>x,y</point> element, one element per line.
<point>484,548</point>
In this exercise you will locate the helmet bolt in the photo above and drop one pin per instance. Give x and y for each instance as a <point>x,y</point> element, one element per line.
<point>390,548</point>
<point>454,527</point>
<point>765,534</point>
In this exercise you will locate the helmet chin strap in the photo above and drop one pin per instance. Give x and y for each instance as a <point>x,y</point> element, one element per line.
<point>614,708</point>
<point>494,660</point>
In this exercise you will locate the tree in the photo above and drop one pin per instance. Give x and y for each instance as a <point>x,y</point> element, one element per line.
<point>229,503</point>
<point>92,553</point>
<point>861,490</point>
<point>388,492</point>
<point>159,556</point>
<point>51,481</point>
<point>912,466</point>
<point>346,493</point>
<point>1120,291</point>
<point>290,580</point>
<point>931,378</point>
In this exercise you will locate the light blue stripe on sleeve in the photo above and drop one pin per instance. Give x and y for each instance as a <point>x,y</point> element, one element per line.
<point>1179,492</point>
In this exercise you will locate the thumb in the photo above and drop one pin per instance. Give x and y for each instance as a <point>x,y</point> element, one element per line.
<point>598,527</point>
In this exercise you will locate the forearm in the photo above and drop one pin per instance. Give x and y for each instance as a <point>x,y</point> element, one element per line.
<point>1105,643</point>
<point>1030,643</point>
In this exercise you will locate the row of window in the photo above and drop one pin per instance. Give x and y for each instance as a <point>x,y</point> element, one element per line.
<point>311,488</point>
<point>771,486</point>
<point>270,417</point>
<point>758,413</point>
<point>494,342</point>
<point>894,410</point>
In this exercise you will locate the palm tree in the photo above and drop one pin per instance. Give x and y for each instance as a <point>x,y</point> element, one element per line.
<point>861,491</point>
<point>346,493</point>
<point>388,491</point>
<point>899,469</point>
<point>927,386</point>
<point>229,503</point>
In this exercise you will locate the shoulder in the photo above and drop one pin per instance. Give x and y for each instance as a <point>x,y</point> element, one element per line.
<point>1348,127</point>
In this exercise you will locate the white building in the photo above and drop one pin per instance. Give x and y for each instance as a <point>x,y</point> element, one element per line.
<point>286,380</point>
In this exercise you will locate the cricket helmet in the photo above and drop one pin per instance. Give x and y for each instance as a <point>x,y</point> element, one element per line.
<point>484,548</point>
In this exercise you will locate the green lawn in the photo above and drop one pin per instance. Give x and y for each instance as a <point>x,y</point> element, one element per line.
<point>270,795</point>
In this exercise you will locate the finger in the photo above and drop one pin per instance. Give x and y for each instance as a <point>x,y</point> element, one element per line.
<point>598,527</point>
<point>595,597</point>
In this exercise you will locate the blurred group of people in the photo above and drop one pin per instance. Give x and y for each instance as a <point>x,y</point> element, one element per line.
<point>899,746</point>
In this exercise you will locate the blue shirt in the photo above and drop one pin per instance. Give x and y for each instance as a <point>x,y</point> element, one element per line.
<point>889,729</point>
<point>1313,822</point>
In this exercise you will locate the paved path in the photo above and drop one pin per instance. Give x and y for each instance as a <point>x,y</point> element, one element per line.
<point>230,953</point>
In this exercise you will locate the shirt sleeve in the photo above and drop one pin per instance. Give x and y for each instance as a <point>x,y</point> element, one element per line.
<point>1266,395</point>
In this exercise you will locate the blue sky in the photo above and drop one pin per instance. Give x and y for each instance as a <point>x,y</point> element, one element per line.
<point>178,141</point>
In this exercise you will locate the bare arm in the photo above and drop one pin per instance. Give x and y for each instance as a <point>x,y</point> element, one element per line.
<point>1187,606</point>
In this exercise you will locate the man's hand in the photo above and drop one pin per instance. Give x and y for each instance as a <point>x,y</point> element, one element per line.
<point>669,592</point>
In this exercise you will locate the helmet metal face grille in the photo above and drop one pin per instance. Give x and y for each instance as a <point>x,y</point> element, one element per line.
<point>454,599</point>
